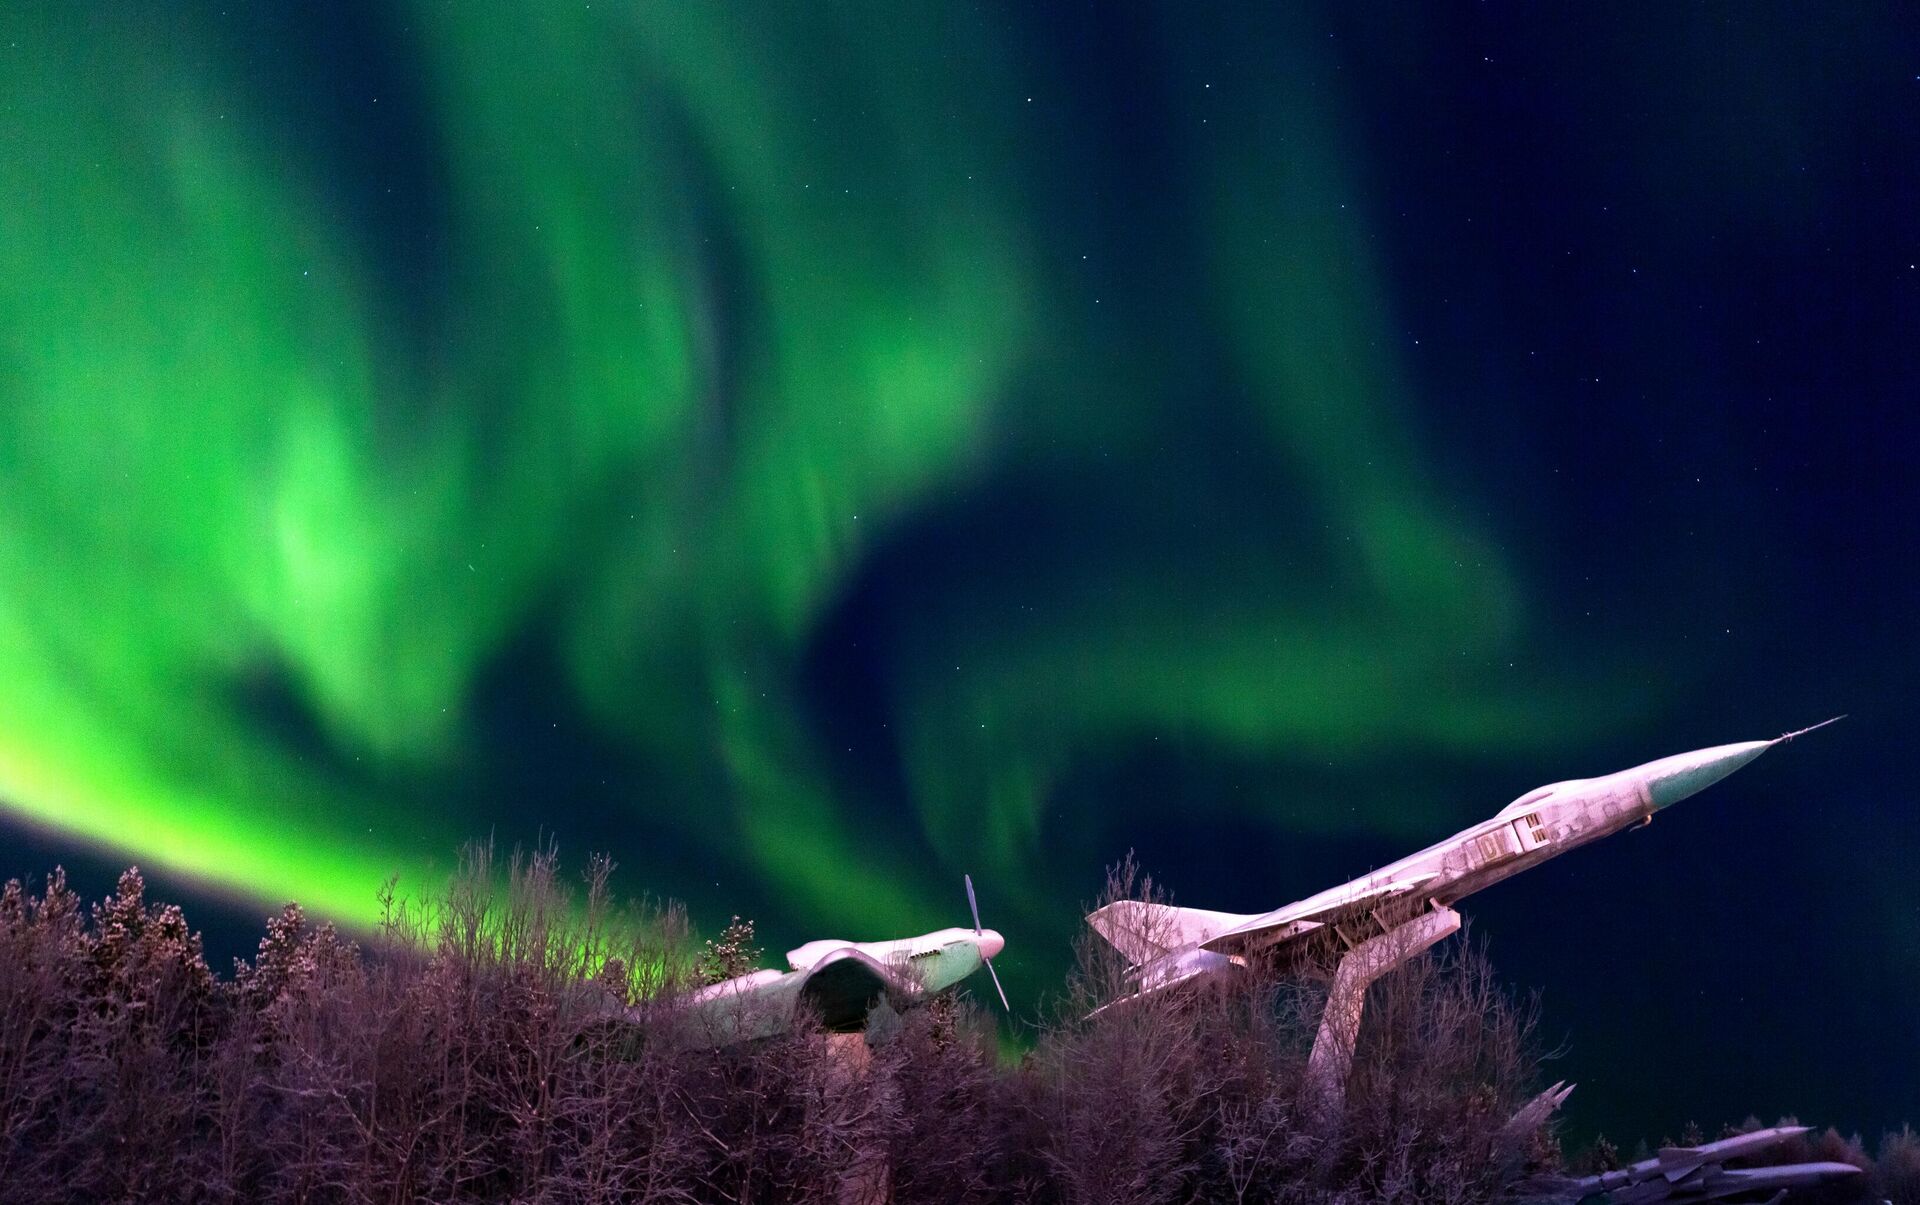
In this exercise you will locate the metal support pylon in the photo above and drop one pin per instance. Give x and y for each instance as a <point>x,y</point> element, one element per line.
<point>1331,1061</point>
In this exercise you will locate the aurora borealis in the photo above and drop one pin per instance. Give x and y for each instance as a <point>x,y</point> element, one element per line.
<point>810,452</point>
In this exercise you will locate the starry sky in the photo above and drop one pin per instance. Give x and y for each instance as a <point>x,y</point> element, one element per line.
<point>810,452</point>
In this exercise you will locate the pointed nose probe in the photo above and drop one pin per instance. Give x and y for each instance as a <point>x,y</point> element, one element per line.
<point>1672,779</point>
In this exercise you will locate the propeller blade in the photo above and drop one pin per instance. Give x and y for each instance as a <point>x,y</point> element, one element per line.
<point>974,905</point>
<point>995,976</point>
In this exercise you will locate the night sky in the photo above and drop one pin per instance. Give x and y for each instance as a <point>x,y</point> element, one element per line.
<point>813,450</point>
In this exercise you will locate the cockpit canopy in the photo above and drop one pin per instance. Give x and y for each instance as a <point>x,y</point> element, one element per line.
<point>1534,798</point>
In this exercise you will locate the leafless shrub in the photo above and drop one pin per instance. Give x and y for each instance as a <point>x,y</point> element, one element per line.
<point>1445,1059</point>
<point>45,952</point>
<point>963,1131</point>
<point>1112,1086</point>
<point>99,1019</point>
<point>1896,1172</point>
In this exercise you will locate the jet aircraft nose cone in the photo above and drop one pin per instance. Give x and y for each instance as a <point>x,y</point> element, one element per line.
<point>1672,779</point>
<point>990,943</point>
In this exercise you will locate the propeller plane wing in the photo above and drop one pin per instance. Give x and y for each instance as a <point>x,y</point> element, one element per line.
<point>842,981</point>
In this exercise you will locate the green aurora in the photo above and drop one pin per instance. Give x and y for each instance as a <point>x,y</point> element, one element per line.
<point>705,313</point>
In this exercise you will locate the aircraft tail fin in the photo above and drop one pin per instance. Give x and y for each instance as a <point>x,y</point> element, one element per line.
<point>1144,931</point>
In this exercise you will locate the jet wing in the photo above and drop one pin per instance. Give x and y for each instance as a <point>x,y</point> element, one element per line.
<point>1164,973</point>
<point>1295,921</point>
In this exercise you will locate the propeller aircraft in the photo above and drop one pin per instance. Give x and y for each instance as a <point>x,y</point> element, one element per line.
<point>842,981</point>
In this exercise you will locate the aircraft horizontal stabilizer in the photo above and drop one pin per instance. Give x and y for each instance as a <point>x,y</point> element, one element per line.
<point>1168,973</point>
<point>1144,932</point>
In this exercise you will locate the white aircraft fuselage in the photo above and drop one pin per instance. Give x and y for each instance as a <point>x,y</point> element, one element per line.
<point>1169,945</point>
<point>840,981</point>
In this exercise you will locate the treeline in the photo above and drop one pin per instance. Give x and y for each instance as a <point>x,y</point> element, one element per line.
<point>520,1039</point>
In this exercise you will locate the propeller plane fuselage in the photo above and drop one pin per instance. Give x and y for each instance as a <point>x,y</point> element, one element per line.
<point>841,982</point>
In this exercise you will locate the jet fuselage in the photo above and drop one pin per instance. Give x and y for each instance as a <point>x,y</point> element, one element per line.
<point>1548,821</point>
<point>1541,824</point>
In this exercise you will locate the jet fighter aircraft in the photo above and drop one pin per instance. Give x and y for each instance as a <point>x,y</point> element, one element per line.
<point>843,980</point>
<point>1170,945</point>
